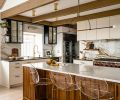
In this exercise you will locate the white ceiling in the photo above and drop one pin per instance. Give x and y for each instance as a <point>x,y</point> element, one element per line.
<point>62,4</point>
<point>11,3</point>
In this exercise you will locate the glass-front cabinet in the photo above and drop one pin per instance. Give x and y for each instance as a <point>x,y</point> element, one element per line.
<point>54,35</point>
<point>50,35</point>
<point>15,31</point>
<point>20,32</point>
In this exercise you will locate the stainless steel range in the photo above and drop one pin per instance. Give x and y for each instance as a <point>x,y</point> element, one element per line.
<point>108,62</point>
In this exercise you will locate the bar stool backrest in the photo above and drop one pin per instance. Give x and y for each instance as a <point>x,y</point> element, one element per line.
<point>61,81</point>
<point>92,88</point>
<point>35,75</point>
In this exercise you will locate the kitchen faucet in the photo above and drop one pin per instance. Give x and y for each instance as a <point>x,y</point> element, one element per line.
<point>35,50</point>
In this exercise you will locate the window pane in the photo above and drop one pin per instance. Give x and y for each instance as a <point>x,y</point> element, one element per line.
<point>33,45</point>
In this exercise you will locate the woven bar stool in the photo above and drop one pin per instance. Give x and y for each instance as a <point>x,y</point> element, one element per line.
<point>94,89</point>
<point>37,81</point>
<point>63,82</point>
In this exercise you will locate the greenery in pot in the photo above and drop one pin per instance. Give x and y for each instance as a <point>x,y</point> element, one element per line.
<point>4,25</point>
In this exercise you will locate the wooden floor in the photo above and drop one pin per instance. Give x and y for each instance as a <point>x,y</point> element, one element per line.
<point>11,94</point>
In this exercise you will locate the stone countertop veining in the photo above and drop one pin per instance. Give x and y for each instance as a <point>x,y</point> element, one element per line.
<point>88,71</point>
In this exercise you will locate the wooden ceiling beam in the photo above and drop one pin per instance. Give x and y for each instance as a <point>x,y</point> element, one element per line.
<point>45,23</point>
<point>2,3</point>
<point>28,5</point>
<point>22,18</point>
<point>87,17</point>
<point>29,20</point>
<point>72,10</point>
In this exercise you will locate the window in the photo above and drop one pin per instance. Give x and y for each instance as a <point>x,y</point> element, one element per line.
<point>32,45</point>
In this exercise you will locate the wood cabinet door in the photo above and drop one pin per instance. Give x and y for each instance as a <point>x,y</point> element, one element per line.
<point>105,32</point>
<point>115,32</point>
<point>28,88</point>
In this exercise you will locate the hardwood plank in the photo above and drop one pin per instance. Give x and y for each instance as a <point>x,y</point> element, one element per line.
<point>118,92</point>
<point>29,5</point>
<point>2,3</point>
<point>87,17</point>
<point>72,10</point>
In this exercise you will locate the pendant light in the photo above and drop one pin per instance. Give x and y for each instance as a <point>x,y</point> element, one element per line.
<point>33,12</point>
<point>56,7</point>
<point>78,13</point>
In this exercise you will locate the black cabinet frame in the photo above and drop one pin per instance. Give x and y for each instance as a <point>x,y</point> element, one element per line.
<point>9,31</point>
<point>47,35</point>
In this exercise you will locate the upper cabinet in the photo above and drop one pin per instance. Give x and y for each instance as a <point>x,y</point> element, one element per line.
<point>15,31</point>
<point>50,35</point>
<point>115,31</point>
<point>82,33</point>
<point>91,34</point>
<point>103,33</point>
<point>101,28</point>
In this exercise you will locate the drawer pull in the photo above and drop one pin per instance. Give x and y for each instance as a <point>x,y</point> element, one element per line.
<point>17,75</point>
<point>17,63</point>
<point>28,62</point>
<point>17,67</point>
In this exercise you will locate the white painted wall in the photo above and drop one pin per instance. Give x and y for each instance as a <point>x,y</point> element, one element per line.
<point>11,3</point>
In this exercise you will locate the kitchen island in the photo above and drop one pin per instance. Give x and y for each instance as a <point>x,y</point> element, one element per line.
<point>111,75</point>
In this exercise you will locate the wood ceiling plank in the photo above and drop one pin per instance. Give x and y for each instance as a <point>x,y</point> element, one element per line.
<point>29,5</point>
<point>2,3</point>
<point>87,17</point>
<point>72,10</point>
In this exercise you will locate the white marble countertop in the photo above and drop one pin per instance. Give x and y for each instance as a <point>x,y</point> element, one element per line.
<point>95,72</point>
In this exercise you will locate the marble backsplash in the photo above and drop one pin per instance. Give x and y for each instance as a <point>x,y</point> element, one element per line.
<point>111,47</point>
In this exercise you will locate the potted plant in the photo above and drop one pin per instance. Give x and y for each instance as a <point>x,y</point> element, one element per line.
<point>4,25</point>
